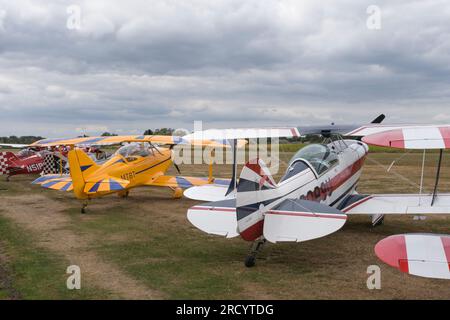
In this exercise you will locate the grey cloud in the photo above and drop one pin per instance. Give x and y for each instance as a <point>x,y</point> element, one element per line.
<point>144,64</point>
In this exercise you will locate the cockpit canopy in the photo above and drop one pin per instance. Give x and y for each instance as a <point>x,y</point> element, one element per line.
<point>25,153</point>
<point>134,149</point>
<point>320,157</point>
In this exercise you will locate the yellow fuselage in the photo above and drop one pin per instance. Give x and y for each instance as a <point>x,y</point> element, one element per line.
<point>136,170</point>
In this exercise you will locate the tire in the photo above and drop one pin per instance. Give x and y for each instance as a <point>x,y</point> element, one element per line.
<point>250,261</point>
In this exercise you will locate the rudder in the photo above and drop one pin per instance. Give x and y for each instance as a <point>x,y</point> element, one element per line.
<point>81,167</point>
<point>256,190</point>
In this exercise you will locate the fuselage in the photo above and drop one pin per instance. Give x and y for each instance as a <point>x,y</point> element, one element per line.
<point>12,165</point>
<point>315,181</point>
<point>321,173</point>
<point>138,170</point>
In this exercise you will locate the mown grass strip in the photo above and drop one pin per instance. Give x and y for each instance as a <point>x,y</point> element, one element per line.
<point>33,272</point>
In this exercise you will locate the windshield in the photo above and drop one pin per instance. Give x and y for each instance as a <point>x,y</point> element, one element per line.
<point>320,156</point>
<point>134,149</point>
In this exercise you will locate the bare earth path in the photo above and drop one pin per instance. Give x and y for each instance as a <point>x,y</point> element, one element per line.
<point>49,226</point>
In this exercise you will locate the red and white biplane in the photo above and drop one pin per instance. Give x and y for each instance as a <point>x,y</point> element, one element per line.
<point>318,190</point>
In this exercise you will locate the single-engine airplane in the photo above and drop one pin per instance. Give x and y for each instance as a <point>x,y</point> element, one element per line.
<point>318,190</point>
<point>26,161</point>
<point>36,159</point>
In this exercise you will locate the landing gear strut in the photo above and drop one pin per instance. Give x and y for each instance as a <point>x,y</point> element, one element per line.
<point>377,220</point>
<point>250,260</point>
<point>83,207</point>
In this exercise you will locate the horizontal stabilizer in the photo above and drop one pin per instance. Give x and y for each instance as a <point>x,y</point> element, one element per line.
<point>217,218</point>
<point>396,204</point>
<point>209,193</point>
<point>105,185</point>
<point>55,182</point>
<point>423,255</point>
<point>301,220</point>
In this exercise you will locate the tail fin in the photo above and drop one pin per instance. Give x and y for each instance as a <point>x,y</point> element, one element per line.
<point>81,167</point>
<point>7,160</point>
<point>256,191</point>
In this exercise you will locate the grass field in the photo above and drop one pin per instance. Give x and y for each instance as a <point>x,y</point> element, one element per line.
<point>143,247</point>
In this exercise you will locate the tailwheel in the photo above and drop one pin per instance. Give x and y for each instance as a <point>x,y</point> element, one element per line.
<point>177,193</point>
<point>250,260</point>
<point>7,178</point>
<point>124,194</point>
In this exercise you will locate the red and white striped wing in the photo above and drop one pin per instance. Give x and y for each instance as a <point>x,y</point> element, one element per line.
<point>421,137</point>
<point>423,255</point>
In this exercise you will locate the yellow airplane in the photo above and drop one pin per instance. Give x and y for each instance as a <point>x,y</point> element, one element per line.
<point>139,163</point>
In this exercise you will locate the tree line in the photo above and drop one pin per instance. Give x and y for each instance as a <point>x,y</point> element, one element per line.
<point>20,140</point>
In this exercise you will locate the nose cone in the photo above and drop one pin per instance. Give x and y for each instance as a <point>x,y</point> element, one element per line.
<point>392,250</point>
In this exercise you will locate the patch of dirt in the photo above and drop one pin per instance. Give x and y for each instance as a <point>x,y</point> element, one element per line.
<point>50,226</point>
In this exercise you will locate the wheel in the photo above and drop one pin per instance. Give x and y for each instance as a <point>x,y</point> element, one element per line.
<point>250,261</point>
<point>83,210</point>
<point>177,193</point>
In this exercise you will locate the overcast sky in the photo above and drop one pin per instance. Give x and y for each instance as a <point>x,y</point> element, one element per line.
<point>137,64</point>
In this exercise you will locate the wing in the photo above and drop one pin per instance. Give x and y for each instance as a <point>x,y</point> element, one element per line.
<point>14,146</point>
<point>429,137</point>
<point>55,182</point>
<point>243,133</point>
<point>396,204</point>
<point>301,220</point>
<point>111,140</point>
<point>374,129</point>
<point>185,182</point>
<point>210,193</point>
<point>423,255</point>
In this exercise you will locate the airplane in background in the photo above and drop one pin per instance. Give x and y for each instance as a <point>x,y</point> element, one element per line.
<point>142,162</point>
<point>26,161</point>
<point>36,159</point>
<point>318,190</point>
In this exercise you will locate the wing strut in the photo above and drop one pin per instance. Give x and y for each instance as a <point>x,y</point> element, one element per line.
<point>422,175</point>
<point>438,174</point>
<point>233,182</point>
